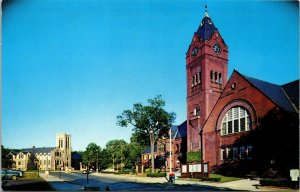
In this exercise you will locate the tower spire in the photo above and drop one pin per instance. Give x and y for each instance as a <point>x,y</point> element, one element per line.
<point>206,13</point>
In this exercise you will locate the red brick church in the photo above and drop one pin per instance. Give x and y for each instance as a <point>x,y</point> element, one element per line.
<point>247,125</point>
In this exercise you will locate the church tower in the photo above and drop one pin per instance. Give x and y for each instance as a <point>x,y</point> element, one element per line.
<point>63,142</point>
<point>206,72</point>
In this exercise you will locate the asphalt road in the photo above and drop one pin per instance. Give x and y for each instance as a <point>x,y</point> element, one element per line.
<point>117,185</point>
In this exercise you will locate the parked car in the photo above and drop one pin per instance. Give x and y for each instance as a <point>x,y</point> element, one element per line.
<point>9,174</point>
<point>20,172</point>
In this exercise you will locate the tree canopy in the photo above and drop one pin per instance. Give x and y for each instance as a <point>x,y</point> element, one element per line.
<point>6,158</point>
<point>32,162</point>
<point>89,156</point>
<point>149,121</point>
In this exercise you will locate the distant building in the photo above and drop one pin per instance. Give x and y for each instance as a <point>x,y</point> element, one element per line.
<point>76,160</point>
<point>162,150</point>
<point>49,158</point>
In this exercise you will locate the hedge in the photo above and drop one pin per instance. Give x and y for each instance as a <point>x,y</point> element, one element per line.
<point>156,174</point>
<point>124,172</point>
<point>275,182</point>
<point>193,156</point>
<point>214,179</point>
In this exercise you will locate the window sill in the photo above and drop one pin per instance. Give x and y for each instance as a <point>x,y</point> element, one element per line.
<point>233,134</point>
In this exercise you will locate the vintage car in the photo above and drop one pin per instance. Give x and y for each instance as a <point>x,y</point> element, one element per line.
<point>9,174</point>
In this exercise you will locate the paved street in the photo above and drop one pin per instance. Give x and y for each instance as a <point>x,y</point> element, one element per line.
<point>76,182</point>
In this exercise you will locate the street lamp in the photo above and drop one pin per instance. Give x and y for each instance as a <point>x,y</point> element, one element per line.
<point>97,162</point>
<point>201,153</point>
<point>170,149</point>
<point>113,162</point>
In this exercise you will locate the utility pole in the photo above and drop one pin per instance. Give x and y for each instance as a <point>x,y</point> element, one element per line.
<point>113,162</point>
<point>97,162</point>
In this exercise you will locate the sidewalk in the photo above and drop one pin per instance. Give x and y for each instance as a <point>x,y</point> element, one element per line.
<point>241,185</point>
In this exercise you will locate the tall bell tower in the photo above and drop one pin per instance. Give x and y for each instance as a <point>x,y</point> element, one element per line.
<point>63,142</point>
<point>206,73</point>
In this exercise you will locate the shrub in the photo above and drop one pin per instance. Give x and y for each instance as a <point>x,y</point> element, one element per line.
<point>156,174</point>
<point>275,182</point>
<point>193,156</point>
<point>148,170</point>
<point>214,179</point>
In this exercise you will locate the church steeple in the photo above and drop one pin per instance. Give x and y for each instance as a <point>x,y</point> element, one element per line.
<point>207,27</point>
<point>206,65</point>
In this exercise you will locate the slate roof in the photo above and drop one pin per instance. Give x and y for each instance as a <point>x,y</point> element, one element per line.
<point>277,93</point>
<point>178,131</point>
<point>174,131</point>
<point>292,90</point>
<point>38,150</point>
<point>182,130</point>
<point>206,28</point>
<point>148,149</point>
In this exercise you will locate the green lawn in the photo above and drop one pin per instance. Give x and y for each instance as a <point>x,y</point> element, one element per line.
<point>224,178</point>
<point>29,175</point>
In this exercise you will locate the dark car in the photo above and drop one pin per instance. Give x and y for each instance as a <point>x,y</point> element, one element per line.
<point>9,174</point>
<point>20,172</point>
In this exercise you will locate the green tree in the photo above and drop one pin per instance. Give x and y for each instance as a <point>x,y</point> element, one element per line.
<point>31,164</point>
<point>106,159</point>
<point>89,156</point>
<point>118,150</point>
<point>6,158</point>
<point>140,138</point>
<point>134,151</point>
<point>151,120</point>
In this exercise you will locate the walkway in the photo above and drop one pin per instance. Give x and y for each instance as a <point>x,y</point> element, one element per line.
<point>241,185</point>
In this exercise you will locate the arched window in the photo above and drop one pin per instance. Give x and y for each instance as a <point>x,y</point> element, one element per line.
<point>196,111</point>
<point>216,77</point>
<point>237,119</point>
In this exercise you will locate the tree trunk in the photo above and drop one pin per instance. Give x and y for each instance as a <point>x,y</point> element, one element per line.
<point>152,154</point>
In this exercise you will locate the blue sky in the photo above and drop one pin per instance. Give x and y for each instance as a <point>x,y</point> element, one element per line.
<point>74,65</point>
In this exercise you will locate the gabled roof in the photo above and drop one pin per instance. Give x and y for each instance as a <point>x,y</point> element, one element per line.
<point>292,91</point>
<point>182,130</point>
<point>148,150</point>
<point>276,92</point>
<point>179,131</point>
<point>38,150</point>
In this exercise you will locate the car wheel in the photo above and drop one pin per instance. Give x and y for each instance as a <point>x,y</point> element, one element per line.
<point>14,177</point>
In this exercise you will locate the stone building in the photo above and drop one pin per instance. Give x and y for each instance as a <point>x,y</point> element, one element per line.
<point>48,158</point>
